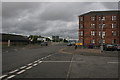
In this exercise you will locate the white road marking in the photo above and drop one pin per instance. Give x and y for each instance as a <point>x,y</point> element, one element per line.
<point>30,64</point>
<point>113,62</point>
<point>11,76</point>
<point>40,62</point>
<point>35,64</point>
<point>14,71</point>
<point>65,61</point>
<point>23,67</point>
<point>42,58</point>
<point>21,71</point>
<point>69,69</point>
<point>2,76</point>
<point>35,61</point>
<point>29,67</point>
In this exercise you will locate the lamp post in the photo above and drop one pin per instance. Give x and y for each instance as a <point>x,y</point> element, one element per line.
<point>101,47</point>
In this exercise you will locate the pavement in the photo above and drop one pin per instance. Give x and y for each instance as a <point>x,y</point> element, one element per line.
<point>58,61</point>
<point>90,52</point>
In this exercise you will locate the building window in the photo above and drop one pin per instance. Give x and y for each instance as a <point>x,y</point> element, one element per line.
<point>92,26</point>
<point>93,41</point>
<point>99,33</point>
<point>114,33</point>
<point>81,40</point>
<point>103,25</point>
<point>103,34</point>
<point>103,41</point>
<point>81,18</point>
<point>114,25</point>
<point>81,26</point>
<point>81,33</point>
<point>99,41</point>
<point>93,18</point>
<point>99,26</point>
<point>99,18</point>
<point>113,18</point>
<point>114,41</point>
<point>93,33</point>
<point>103,18</point>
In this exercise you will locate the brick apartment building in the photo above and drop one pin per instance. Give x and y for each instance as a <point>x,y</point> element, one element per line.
<point>99,27</point>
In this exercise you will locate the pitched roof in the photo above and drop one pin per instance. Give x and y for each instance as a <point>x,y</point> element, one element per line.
<point>101,13</point>
<point>13,37</point>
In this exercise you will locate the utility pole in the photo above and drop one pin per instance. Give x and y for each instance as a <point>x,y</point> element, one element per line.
<point>101,47</point>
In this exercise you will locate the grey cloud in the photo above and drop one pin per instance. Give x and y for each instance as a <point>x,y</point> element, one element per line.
<point>48,18</point>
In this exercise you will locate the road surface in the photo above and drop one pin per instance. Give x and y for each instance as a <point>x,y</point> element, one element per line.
<point>52,62</point>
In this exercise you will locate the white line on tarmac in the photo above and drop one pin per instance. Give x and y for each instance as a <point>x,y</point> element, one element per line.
<point>29,67</point>
<point>113,62</point>
<point>40,62</point>
<point>2,76</point>
<point>35,64</point>
<point>65,61</point>
<point>21,71</point>
<point>23,67</point>
<point>69,69</point>
<point>11,76</point>
<point>14,71</point>
<point>35,61</point>
<point>30,64</point>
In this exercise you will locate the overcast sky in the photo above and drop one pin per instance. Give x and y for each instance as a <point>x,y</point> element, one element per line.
<point>48,18</point>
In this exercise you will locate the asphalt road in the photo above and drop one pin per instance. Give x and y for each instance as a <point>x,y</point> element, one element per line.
<point>51,62</point>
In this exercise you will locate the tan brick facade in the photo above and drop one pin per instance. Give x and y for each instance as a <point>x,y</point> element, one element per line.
<point>92,27</point>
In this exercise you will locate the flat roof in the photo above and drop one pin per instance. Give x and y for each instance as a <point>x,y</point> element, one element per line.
<point>101,13</point>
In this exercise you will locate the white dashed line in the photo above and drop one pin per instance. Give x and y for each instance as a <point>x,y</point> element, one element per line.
<point>2,76</point>
<point>35,61</point>
<point>40,62</point>
<point>21,71</point>
<point>11,76</point>
<point>23,67</point>
<point>65,61</point>
<point>29,67</point>
<point>14,71</point>
<point>35,64</point>
<point>30,64</point>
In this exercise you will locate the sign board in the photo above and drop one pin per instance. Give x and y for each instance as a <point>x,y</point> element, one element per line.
<point>79,44</point>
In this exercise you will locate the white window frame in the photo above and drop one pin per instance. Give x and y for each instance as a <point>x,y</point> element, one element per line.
<point>114,33</point>
<point>103,18</point>
<point>99,33</point>
<point>81,33</point>
<point>114,18</point>
<point>114,25</point>
<point>81,18</point>
<point>103,25</point>
<point>81,26</point>
<point>93,41</point>
<point>93,26</point>
<point>93,33</point>
<point>93,18</point>
<point>103,41</point>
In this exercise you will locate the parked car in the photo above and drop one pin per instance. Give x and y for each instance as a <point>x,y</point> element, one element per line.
<point>118,47</point>
<point>44,44</point>
<point>90,45</point>
<point>71,43</point>
<point>110,47</point>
